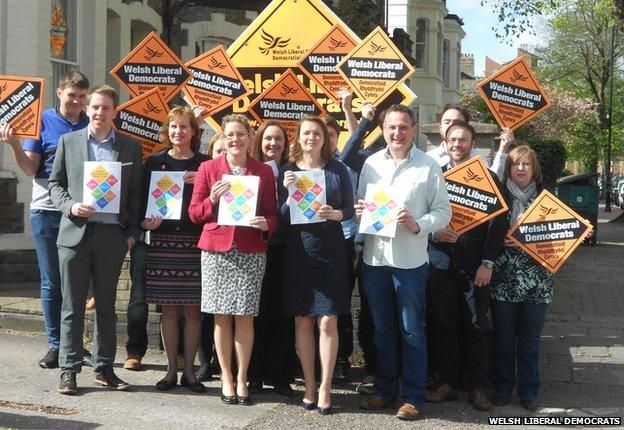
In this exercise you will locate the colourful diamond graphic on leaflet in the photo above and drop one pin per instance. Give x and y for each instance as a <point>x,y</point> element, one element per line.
<point>240,200</point>
<point>237,188</point>
<point>303,205</point>
<point>109,195</point>
<point>92,184</point>
<point>164,183</point>
<point>233,206</point>
<point>383,210</point>
<point>228,197</point>
<point>248,194</point>
<point>371,207</point>
<point>374,216</point>
<point>237,215</point>
<point>163,210</point>
<point>315,205</point>
<point>160,201</point>
<point>102,202</point>
<point>378,225</point>
<point>111,180</point>
<point>104,187</point>
<point>157,193</point>
<point>97,193</point>
<point>391,204</point>
<point>316,189</point>
<point>245,209</point>
<point>304,184</point>
<point>310,197</point>
<point>297,195</point>
<point>309,213</point>
<point>175,189</point>
<point>99,174</point>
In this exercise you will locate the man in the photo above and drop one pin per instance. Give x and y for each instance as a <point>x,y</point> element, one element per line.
<point>394,271</point>
<point>91,245</point>
<point>459,293</point>
<point>35,158</point>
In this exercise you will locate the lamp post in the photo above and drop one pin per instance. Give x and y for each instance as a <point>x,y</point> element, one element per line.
<point>610,132</point>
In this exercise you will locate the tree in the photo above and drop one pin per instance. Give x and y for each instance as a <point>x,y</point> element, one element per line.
<point>362,16</point>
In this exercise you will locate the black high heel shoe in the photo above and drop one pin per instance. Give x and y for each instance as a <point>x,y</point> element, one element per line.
<point>165,385</point>
<point>196,387</point>
<point>324,411</point>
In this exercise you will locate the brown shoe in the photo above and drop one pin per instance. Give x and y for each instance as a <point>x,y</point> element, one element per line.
<point>478,399</point>
<point>442,393</point>
<point>107,378</point>
<point>374,403</point>
<point>408,412</point>
<point>133,362</point>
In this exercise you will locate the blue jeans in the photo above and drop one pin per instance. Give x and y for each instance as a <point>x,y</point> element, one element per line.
<point>137,306</point>
<point>397,296</point>
<point>45,227</point>
<point>517,330</point>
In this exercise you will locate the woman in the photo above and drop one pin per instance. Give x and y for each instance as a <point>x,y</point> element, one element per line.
<point>233,257</point>
<point>273,351</point>
<point>520,290</point>
<point>216,146</point>
<point>173,271</point>
<point>315,274</point>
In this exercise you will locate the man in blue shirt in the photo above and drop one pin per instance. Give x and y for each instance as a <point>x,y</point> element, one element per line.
<point>35,158</point>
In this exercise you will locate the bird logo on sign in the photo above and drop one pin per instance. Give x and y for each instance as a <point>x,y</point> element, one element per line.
<point>151,54</point>
<point>545,211</point>
<point>471,176</point>
<point>3,88</point>
<point>272,42</point>
<point>516,76</point>
<point>374,48</point>
<point>335,44</point>
<point>216,64</point>
<point>151,108</point>
<point>287,90</point>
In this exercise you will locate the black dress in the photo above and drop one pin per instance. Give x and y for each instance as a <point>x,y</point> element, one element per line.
<point>315,262</point>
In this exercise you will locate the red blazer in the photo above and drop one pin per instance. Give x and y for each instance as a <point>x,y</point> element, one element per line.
<point>219,238</point>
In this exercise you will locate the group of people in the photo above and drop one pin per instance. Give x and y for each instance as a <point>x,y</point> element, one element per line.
<point>259,291</point>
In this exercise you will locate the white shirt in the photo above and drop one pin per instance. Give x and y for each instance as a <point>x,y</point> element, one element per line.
<point>441,156</point>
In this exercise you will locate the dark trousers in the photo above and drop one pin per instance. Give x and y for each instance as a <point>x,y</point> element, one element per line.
<point>274,334</point>
<point>137,306</point>
<point>459,308</point>
<point>345,322</point>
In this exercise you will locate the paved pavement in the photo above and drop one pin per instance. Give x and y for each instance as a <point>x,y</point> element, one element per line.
<point>582,369</point>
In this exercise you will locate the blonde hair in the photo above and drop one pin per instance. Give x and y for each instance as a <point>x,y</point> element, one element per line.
<point>174,113</point>
<point>519,152</point>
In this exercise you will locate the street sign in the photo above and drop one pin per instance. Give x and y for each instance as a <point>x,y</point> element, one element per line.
<point>21,104</point>
<point>375,67</point>
<point>513,94</point>
<point>549,231</point>
<point>151,64</point>
<point>473,194</point>
<point>142,118</point>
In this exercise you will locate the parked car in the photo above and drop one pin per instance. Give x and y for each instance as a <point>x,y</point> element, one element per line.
<point>620,193</point>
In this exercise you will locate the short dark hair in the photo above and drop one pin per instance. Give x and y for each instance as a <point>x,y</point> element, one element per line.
<point>73,78</point>
<point>458,108</point>
<point>297,152</point>
<point>104,90</point>
<point>398,108</point>
<point>330,122</point>
<point>461,124</point>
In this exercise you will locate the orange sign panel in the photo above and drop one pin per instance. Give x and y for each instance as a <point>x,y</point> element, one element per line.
<point>287,101</point>
<point>549,231</point>
<point>151,64</point>
<point>21,104</point>
<point>216,82</point>
<point>320,61</point>
<point>473,194</point>
<point>375,67</point>
<point>513,95</point>
<point>142,118</point>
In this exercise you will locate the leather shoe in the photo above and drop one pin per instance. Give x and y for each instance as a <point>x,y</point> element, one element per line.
<point>68,383</point>
<point>229,400</point>
<point>529,404</point>
<point>478,399</point>
<point>243,400</point>
<point>133,362</point>
<point>86,358</point>
<point>374,403</point>
<point>255,387</point>
<point>308,406</point>
<point>50,360</point>
<point>196,387</point>
<point>107,378</point>
<point>498,400</point>
<point>408,412</point>
<point>442,393</point>
<point>283,390</point>
<point>165,384</point>
<point>324,411</point>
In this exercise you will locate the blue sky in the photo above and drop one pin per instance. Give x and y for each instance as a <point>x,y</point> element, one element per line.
<point>480,39</point>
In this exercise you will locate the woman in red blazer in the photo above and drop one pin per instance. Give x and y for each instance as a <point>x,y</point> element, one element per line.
<point>233,257</point>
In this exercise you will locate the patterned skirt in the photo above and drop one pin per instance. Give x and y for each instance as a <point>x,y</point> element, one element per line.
<point>231,281</point>
<point>173,275</point>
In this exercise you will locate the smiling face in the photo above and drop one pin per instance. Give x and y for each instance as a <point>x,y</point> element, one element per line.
<point>447,118</point>
<point>237,139</point>
<point>101,113</point>
<point>72,101</point>
<point>180,131</point>
<point>522,171</point>
<point>458,144</point>
<point>311,138</point>
<point>273,143</point>
<point>399,131</point>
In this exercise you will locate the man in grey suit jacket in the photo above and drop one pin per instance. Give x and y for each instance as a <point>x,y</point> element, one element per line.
<point>91,245</point>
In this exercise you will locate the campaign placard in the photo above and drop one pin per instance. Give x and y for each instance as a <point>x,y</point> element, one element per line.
<point>549,231</point>
<point>375,67</point>
<point>21,104</point>
<point>215,81</point>
<point>151,64</point>
<point>473,195</point>
<point>320,61</point>
<point>513,94</point>
<point>286,101</point>
<point>142,118</point>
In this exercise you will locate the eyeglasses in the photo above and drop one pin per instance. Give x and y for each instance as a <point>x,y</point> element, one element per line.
<point>238,135</point>
<point>460,140</point>
<point>523,165</point>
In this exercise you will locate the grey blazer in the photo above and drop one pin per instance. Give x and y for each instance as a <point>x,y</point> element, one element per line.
<point>66,182</point>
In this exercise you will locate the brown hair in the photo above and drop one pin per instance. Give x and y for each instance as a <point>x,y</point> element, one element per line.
<point>256,146</point>
<point>296,154</point>
<point>213,140</point>
<point>460,124</point>
<point>73,78</point>
<point>330,122</point>
<point>104,90</point>
<point>398,108</point>
<point>519,152</point>
<point>174,113</point>
<point>459,109</point>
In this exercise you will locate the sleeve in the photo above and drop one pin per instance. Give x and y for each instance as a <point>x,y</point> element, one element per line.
<point>439,214</point>
<point>350,154</point>
<point>135,193</point>
<point>497,229</point>
<point>201,209</point>
<point>362,182</point>
<point>268,205</point>
<point>346,192</point>
<point>498,164</point>
<point>282,196</point>
<point>57,182</point>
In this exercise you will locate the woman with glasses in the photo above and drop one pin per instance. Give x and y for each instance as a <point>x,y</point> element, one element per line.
<point>521,290</point>
<point>233,257</point>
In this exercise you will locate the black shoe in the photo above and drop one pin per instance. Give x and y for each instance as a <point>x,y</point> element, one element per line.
<point>308,406</point>
<point>324,411</point>
<point>244,400</point>
<point>165,385</point>
<point>284,390</point>
<point>229,400</point>
<point>86,358</point>
<point>107,378</point>
<point>255,387</point>
<point>50,360</point>
<point>196,387</point>
<point>68,383</point>
<point>529,404</point>
<point>340,373</point>
<point>498,400</point>
<point>203,373</point>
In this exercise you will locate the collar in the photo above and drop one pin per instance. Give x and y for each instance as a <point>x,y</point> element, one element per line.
<point>82,116</point>
<point>410,153</point>
<point>111,135</point>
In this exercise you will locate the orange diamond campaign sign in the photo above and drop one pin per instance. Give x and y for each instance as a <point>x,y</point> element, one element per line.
<point>142,118</point>
<point>216,83</point>
<point>473,194</point>
<point>549,231</point>
<point>286,101</point>
<point>375,67</point>
<point>21,104</point>
<point>151,64</point>
<point>513,94</point>
<point>320,61</point>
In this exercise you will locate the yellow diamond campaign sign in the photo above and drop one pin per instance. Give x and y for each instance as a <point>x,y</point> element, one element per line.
<point>375,67</point>
<point>474,195</point>
<point>151,64</point>
<point>549,231</point>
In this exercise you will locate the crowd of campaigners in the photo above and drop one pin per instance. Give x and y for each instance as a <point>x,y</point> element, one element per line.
<point>256,294</point>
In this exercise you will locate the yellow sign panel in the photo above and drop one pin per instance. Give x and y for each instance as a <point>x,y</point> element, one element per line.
<point>549,231</point>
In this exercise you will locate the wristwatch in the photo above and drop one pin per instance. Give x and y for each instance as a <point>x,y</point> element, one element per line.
<point>488,264</point>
